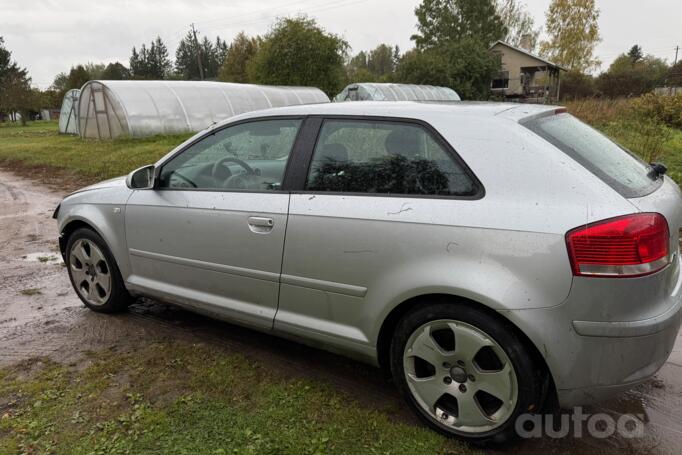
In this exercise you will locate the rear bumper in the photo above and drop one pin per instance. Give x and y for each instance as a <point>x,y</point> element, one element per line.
<point>628,329</point>
<point>591,359</point>
<point>621,363</point>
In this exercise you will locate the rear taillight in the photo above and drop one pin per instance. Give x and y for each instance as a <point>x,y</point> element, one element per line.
<point>627,246</point>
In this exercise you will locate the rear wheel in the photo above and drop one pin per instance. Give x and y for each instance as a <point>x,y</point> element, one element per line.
<point>463,371</point>
<point>94,273</point>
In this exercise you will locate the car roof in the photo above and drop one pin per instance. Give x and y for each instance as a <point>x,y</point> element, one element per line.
<point>407,109</point>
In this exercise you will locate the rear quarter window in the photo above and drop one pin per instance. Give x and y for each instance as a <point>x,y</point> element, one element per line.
<point>614,165</point>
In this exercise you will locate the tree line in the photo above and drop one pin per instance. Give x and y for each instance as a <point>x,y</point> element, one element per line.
<point>451,48</point>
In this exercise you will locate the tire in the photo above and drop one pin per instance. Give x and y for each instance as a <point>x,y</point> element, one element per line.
<point>474,353</point>
<point>94,273</point>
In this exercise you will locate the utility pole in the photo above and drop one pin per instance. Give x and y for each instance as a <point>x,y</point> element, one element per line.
<point>677,49</point>
<point>196,43</point>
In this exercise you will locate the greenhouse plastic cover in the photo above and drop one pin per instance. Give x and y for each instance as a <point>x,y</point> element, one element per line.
<point>367,91</point>
<point>68,115</point>
<point>142,108</point>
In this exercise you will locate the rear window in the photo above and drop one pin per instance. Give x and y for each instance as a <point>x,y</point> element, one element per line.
<point>610,162</point>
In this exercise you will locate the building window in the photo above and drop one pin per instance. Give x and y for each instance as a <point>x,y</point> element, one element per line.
<point>501,81</point>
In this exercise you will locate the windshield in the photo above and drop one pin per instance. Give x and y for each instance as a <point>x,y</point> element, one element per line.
<point>610,162</point>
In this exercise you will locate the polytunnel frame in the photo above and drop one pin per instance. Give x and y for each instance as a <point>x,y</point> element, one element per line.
<point>188,117</point>
<point>74,109</point>
<point>105,94</point>
<point>399,92</point>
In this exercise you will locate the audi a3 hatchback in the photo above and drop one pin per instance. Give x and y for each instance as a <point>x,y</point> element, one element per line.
<point>494,258</point>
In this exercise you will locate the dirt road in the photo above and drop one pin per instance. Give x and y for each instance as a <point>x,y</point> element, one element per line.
<point>41,316</point>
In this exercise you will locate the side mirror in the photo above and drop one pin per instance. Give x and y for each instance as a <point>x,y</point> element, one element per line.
<point>141,179</point>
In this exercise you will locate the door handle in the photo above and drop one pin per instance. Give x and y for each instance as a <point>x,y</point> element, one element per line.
<point>261,224</point>
<point>261,221</point>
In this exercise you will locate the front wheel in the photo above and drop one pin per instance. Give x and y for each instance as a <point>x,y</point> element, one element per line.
<point>94,273</point>
<point>463,371</point>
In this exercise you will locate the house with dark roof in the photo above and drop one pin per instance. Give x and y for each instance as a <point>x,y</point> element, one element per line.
<point>525,77</point>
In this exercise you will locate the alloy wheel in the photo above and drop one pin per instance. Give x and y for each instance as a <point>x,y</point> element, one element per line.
<point>460,376</point>
<point>90,272</point>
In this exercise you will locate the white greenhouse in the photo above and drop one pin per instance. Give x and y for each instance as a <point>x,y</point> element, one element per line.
<point>68,116</point>
<point>367,91</point>
<point>109,109</point>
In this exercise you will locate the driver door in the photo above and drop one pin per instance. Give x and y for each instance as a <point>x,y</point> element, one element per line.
<point>211,235</point>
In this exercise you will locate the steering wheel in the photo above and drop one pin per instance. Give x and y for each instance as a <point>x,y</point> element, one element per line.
<point>183,178</point>
<point>219,169</point>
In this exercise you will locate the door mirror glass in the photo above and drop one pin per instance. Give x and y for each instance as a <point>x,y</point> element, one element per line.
<point>142,178</point>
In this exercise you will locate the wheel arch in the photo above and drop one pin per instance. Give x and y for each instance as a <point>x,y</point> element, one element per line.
<point>78,223</point>
<point>396,314</point>
<point>68,229</point>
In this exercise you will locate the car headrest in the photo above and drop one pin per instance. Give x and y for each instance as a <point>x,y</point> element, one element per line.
<point>334,152</point>
<point>405,142</point>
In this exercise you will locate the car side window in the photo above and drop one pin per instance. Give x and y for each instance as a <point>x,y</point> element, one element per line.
<point>247,156</point>
<point>384,157</point>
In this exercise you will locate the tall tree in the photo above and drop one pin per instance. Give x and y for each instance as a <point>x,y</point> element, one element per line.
<point>50,99</point>
<point>444,21</point>
<point>521,31</point>
<point>60,83</point>
<point>573,33</point>
<point>115,72</point>
<point>15,86</point>
<point>151,62</point>
<point>95,70</point>
<point>297,51</point>
<point>357,69</point>
<point>188,54</point>
<point>396,56</point>
<point>186,62</point>
<point>237,58</point>
<point>359,61</point>
<point>380,61</point>
<point>635,53</point>
<point>78,75</point>
<point>138,62</point>
<point>220,52</point>
<point>160,65</point>
<point>632,75</point>
<point>466,66</point>
<point>7,65</point>
<point>213,56</point>
<point>377,65</point>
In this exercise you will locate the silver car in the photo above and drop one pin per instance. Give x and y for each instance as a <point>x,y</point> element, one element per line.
<point>495,258</point>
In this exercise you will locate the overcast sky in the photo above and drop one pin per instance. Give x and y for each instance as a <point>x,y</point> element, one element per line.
<point>48,36</point>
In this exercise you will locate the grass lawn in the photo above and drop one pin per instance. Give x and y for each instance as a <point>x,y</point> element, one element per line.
<point>39,145</point>
<point>173,397</point>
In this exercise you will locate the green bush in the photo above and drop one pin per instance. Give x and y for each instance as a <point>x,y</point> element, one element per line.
<point>464,65</point>
<point>666,109</point>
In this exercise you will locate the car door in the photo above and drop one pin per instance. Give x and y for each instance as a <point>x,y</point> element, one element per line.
<point>211,233</point>
<point>379,200</point>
